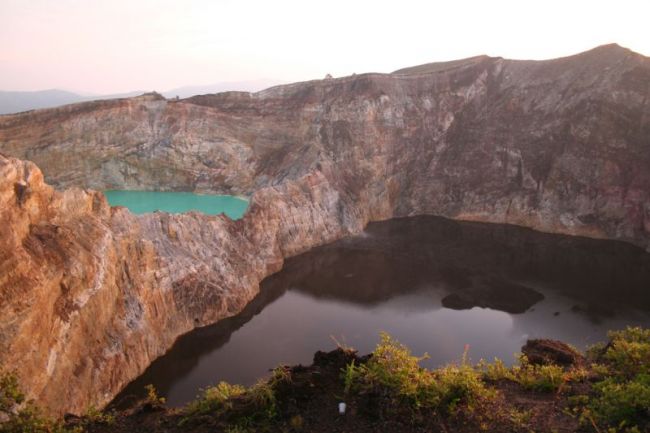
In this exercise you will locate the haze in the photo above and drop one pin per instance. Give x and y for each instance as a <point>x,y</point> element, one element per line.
<point>121,45</point>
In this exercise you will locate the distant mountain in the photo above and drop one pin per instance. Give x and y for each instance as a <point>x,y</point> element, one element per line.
<point>244,86</point>
<point>93,97</point>
<point>16,101</point>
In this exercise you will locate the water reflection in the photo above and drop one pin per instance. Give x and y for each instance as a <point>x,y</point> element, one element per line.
<point>399,277</point>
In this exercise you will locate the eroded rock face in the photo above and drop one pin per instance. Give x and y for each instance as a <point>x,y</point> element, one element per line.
<point>90,295</point>
<point>560,145</point>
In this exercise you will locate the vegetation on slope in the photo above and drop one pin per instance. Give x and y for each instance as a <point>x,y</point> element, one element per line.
<point>552,388</point>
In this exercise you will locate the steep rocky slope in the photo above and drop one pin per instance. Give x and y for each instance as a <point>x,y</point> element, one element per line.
<point>89,295</point>
<point>560,145</point>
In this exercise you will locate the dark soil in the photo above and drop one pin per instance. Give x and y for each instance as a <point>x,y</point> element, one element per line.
<point>309,403</point>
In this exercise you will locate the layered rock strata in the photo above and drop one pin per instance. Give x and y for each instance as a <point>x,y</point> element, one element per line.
<point>90,295</point>
<point>560,145</point>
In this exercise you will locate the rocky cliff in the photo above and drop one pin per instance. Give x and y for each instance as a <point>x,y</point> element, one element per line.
<point>89,294</point>
<point>560,145</point>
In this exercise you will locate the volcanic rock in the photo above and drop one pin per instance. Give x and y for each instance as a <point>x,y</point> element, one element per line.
<point>544,352</point>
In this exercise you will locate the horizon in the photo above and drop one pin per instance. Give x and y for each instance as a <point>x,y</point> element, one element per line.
<point>99,48</point>
<point>273,83</point>
<point>84,93</point>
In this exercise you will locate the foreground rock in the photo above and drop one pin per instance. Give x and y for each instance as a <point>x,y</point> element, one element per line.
<point>388,390</point>
<point>606,390</point>
<point>90,295</point>
<point>548,352</point>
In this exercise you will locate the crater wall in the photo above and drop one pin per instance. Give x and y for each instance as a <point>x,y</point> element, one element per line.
<point>90,295</point>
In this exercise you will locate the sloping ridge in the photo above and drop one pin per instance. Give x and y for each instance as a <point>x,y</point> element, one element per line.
<point>442,66</point>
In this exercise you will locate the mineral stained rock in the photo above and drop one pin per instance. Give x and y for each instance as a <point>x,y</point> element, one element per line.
<point>560,145</point>
<point>90,295</point>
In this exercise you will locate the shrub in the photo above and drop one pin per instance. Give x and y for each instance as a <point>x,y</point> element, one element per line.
<point>10,393</point>
<point>215,399</point>
<point>152,397</point>
<point>544,378</point>
<point>23,416</point>
<point>262,395</point>
<point>245,409</point>
<point>495,371</point>
<point>396,375</point>
<point>628,353</point>
<point>622,403</point>
<point>456,384</point>
<point>621,398</point>
<point>95,416</point>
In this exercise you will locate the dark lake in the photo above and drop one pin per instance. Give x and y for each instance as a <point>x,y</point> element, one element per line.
<point>434,284</point>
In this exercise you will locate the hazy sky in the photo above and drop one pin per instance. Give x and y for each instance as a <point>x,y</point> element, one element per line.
<point>120,45</point>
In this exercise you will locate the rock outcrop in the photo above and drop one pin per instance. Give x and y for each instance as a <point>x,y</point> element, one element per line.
<point>90,295</point>
<point>560,145</point>
<point>552,352</point>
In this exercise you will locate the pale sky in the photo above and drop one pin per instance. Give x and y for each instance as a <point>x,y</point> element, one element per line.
<point>107,46</point>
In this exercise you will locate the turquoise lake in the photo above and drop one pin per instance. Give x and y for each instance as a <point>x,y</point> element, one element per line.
<point>140,202</point>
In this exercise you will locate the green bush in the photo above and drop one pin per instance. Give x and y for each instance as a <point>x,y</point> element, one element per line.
<point>622,403</point>
<point>460,384</point>
<point>263,397</point>
<point>245,409</point>
<point>152,396</point>
<point>628,353</point>
<point>96,416</point>
<point>620,399</point>
<point>544,378</point>
<point>10,393</point>
<point>215,399</point>
<point>23,416</point>
<point>350,375</point>
<point>394,373</point>
<point>496,370</point>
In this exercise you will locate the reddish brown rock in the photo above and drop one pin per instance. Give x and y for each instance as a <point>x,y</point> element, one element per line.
<point>545,352</point>
<point>90,295</point>
<point>559,145</point>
